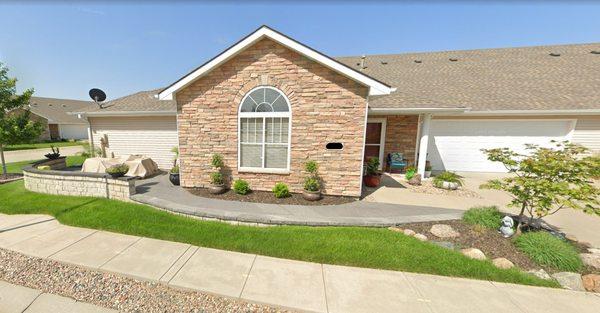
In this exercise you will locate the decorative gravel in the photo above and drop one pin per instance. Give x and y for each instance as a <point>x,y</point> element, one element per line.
<point>428,188</point>
<point>112,291</point>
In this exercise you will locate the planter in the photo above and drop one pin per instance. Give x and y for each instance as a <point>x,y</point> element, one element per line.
<point>311,195</point>
<point>372,180</point>
<point>217,189</point>
<point>116,175</point>
<point>427,174</point>
<point>447,185</point>
<point>174,178</point>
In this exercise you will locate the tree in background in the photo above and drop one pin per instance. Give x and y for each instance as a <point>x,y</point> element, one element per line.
<point>15,125</point>
<point>546,180</point>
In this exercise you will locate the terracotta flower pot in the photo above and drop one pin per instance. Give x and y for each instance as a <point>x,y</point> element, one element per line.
<point>311,195</point>
<point>216,189</point>
<point>372,180</point>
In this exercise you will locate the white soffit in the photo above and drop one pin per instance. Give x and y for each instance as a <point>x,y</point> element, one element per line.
<point>375,87</point>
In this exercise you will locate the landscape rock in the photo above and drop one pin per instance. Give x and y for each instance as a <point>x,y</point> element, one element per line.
<point>420,237</point>
<point>415,180</point>
<point>540,274</point>
<point>591,260</point>
<point>396,229</point>
<point>473,253</point>
<point>503,263</point>
<point>591,282</point>
<point>594,250</point>
<point>569,280</point>
<point>445,244</point>
<point>409,232</point>
<point>443,231</point>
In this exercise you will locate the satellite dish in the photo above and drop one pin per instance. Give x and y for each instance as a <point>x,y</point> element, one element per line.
<point>97,95</point>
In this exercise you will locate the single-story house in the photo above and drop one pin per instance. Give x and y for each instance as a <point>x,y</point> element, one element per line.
<point>53,114</point>
<point>269,103</point>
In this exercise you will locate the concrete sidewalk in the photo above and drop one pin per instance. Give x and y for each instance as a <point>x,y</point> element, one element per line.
<point>38,154</point>
<point>18,299</point>
<point>286,283</point>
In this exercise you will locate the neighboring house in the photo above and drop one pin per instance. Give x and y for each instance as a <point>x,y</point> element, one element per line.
<point>57,123</point>
<point>269,103</point>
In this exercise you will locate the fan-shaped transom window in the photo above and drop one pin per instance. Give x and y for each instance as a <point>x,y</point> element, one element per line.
<point>264,130</point>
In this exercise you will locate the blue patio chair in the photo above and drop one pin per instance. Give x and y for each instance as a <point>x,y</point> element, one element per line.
<point>396,160</point>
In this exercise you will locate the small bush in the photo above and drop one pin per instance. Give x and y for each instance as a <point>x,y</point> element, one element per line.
<point>119,169</point>
<point>545,249</point>
<point>312,184</point>
<point>449,177</point>
<point>488,217</point>
<point>410,172</point>
<point>216,178</point>
<point>311,167</point>
<point>241,187</point>
<point>217,161</point>
<point>281,190</point>
<point>175,169</point>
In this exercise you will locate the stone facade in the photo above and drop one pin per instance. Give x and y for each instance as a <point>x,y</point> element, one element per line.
<point>78,184</point>
<point>401,135</point>
<point>325,106</point>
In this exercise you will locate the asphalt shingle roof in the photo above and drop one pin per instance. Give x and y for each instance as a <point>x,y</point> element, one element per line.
<point>55,110</point>
<point>145,101</point>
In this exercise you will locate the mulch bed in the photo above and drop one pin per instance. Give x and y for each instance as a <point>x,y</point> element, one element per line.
<point>268,197</point>
<point>9,177</point>
<point>488,241</point>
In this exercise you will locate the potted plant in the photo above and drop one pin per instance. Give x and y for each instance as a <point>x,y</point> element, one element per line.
<point>217,184</point>
<point>312,183</point>
<point>410,172</point>
<point>118,170</point>
<point>448,180</point>
<point>373,176</point>
<point>427,170</point>
<point>174,175</point>
<point>54,155</point>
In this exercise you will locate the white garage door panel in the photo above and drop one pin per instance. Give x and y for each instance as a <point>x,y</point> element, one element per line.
<point>73,131</point>
<point>150,136</point>
<point>455,145</point>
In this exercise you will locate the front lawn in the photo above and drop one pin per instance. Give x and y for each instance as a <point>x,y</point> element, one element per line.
<point>45,144</point>
<point>352,246</point>
<point>17,167</point>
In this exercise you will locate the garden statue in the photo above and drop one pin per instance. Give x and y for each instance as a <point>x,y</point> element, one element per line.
<point>507,227</point>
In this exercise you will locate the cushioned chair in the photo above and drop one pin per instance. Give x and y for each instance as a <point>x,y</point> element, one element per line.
<point>396,160</point>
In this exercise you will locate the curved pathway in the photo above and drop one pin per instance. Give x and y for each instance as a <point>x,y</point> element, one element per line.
<point>158,191</point>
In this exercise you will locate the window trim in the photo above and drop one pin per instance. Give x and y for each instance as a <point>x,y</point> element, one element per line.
<point>264,116</point>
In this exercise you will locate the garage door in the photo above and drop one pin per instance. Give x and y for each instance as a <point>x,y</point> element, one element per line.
<point>455,145</point>
<point>73,131</point>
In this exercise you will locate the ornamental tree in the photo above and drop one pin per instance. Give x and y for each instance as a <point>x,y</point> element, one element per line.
<point>547,180</point>
<point>15,125</point>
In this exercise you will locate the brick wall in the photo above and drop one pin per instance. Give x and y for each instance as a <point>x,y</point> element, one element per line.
<point>326,107</point>
<point>401,135</point>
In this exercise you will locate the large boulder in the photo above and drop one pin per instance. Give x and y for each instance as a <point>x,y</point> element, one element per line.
<point>395,229</point>
<point>591,282</point>
<point>569,280</point>
<point>503,263</point>
<point>415,180</point>
<point>420,237</point>
<point>473,253</point>
<point>540,274</point>
<point>443,231</point>
<point>591,260</point>
<point>594,250</point>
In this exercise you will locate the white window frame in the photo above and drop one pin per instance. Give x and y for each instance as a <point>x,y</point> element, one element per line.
<point>264,116</point>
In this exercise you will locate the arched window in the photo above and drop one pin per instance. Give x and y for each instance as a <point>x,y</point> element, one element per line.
<point>264,130</point>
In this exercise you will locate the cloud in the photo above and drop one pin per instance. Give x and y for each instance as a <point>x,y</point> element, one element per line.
<point>91,11</point>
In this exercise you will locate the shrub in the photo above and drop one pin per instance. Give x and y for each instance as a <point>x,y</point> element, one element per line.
<point>312,167</point>
<point>487,216</point>
<point>281,190</point>
<point>545,249</point>
<point>217,161</point>
<point>175,169</point>
<point>119,169</point>
<point>410,172</point>
<point>448,177</point>
<point>373,166</point>
<point>312,184</point>
<point>241,187</point>
<point>216,178</point>
<point>44,168</point>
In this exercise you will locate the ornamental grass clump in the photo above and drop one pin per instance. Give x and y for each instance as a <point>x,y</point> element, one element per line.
<point>449,177</point>
<point>487,216</point>
<point>547,250</point>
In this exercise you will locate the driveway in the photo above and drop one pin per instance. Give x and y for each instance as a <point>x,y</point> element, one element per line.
<point>38,154</point>
<point>582,226</point>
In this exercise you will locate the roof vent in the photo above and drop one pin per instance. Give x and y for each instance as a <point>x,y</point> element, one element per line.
<point>453,60</point>
<point>554,54</point>
<point>49,105</point>
<point>384,62</point>
<point>418,61</point>
<point>595,52</point>
<point>64,105</point>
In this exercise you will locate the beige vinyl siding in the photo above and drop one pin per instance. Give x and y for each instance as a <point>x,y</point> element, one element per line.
<point>587,133</point>
<point>152,136</point>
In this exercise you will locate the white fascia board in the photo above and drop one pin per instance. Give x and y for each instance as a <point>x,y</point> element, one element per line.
<point>126,113</point>
<point>535,112</point>
<point>386,111</point>
<point>375,87</point>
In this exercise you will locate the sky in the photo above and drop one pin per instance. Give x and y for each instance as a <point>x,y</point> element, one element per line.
<point>62,49</point>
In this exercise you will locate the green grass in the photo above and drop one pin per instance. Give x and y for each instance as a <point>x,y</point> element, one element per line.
<point>488,217</point>
<point>545,249</point>
<point>17,167</point>
<point>352,246</point>
<point>45,144</point>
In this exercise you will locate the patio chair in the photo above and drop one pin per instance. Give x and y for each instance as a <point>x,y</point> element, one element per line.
<point>396,160</point>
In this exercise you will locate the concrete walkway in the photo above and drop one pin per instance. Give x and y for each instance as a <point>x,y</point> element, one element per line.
<point>290,284</point>
<point>159,192</point>
<point>38,154</point>
<point>18,299</point>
